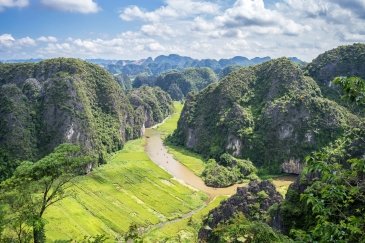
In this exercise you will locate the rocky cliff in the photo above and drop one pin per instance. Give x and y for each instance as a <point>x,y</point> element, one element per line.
<point>341,61</point>
<point>252,201</point>
<point>341,191</point>
<point>271,113</point>
<point>66,100</point>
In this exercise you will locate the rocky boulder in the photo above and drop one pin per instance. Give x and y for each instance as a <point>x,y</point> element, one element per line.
<point>253,201</point>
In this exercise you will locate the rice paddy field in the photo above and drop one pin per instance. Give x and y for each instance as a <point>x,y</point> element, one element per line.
<point>128,189</point>
<point>184,230</point>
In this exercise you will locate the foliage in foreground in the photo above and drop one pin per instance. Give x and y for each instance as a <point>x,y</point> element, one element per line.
<point>36,186</point>
<point>240,229</point>
<point>328,204</point>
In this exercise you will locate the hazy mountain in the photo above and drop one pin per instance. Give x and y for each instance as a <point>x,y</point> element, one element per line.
<point>164,63</point>
<point>179,83</point>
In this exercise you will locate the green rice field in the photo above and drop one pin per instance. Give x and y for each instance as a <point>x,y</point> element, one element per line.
<point>128,189</point>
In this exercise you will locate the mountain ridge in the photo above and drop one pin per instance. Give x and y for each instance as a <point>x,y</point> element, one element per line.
<point>163,63</point>
<point>272,108</point>
<point>68,100</point>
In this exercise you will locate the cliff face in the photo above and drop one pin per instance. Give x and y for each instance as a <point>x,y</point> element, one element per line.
<point>341,61</point>
<point>64,100</point>
<point>271,113</point>
<point>295,213</point>
<point>152,103</point>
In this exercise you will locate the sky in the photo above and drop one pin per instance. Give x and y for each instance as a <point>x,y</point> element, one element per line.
<point>126,29</point>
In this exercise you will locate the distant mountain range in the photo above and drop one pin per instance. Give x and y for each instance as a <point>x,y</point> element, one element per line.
<point>161,64</point>
<point>165,63</point>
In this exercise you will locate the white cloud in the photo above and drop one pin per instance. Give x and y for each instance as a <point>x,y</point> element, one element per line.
<point>157,29</point>
<point>47,39</point>
<point>246,13</point>
<point>13,3</point>
<point>173,9</point>
<point>6,40</point>
<point>79,6</point>
<point>155,46</point>
<point>212,29</point>
<point>26,41</point>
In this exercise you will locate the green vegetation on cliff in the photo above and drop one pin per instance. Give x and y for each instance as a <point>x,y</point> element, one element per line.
<point>270,114</point>
<point>345,61</point>
<point>68,100</point>
<point>327,203</point>
<point>124,81</point>
<point>228,171</point>
<point>154,103</point>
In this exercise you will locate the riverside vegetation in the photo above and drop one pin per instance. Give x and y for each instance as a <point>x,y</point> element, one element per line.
<point>270,118</point>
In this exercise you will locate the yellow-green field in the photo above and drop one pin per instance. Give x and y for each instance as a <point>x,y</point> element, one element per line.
<point>185,230</point>
<point>170,124</point>
<point>129,188</point>
<point>193,161</point>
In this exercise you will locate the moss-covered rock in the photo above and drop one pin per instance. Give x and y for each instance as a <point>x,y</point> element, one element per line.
<point>344,61</point>
<point>270,114</point>
<point>252,201</point>
<point>67,100</point>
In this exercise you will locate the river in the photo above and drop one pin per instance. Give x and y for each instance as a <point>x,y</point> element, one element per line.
<point>160,156</point>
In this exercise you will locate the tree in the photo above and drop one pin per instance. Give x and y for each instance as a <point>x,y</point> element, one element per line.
<point>18,212</point>
<point>133,234</point>
<point>240,229</point>
<point>353,87</point>
<point>334,198</point>
<point>41,184</point>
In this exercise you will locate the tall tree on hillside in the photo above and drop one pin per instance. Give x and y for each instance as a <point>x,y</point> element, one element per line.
<point>36,186</point>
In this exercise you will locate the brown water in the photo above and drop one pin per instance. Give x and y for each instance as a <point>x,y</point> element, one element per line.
<point>159,155</point>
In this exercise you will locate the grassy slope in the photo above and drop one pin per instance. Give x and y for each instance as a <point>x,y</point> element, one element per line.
<point>130,188</point>
<point>191,160</point>
<point>185,230</point>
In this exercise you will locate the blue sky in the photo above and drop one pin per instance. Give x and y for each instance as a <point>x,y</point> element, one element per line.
<point>125,29</point>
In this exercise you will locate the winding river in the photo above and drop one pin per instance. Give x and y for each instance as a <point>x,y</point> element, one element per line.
<point>159,155</point>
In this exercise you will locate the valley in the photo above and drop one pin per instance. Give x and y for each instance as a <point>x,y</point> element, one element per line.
<point>132,188</point>
<point>271,152</point>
